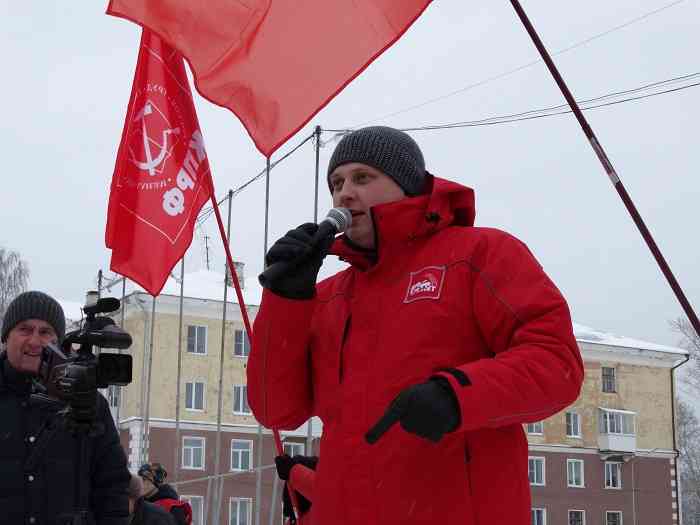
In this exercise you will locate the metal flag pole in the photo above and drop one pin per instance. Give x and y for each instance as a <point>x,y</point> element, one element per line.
<point>258,445</point>
<point>121,325</point>
<point>241,303</point>
<point>176,463</point>
<point>317,133</point>
<point>216,507</point>
<point>273,503</point>
<point>147,409</point>
<point>609,169</point>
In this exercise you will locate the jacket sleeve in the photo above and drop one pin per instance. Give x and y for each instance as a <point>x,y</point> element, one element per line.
<point>280,392</point>
<point>110,476</point>
<point>536,369</point>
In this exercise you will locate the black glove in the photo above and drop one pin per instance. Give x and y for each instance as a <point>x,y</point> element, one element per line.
<point>285,463</point>
<point>304,254</point>
<point>284,466</point>
<point>428,410</point>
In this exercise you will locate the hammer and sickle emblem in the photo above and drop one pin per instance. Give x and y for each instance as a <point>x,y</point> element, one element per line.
<point>151,163</point>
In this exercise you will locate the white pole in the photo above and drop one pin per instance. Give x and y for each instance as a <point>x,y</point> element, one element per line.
<point>216,507</point>
<point>176,464</point>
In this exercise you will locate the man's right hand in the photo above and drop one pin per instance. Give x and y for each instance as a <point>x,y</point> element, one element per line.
<point>297,248</point>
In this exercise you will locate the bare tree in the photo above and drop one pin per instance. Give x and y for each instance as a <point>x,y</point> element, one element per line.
<point>689,447</point>
<point>14,275</point>
<point>691,342</point>
<point>689,426</point>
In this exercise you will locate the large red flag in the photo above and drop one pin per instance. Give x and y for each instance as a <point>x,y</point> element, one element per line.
<point>274,63</point>
<point>161,178</point>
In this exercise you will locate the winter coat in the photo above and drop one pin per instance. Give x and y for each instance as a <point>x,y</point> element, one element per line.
<point>147,513</point>
<point>439,297</point>
<point>41,492</point>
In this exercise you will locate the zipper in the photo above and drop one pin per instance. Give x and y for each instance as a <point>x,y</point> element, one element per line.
<point>346,331</point>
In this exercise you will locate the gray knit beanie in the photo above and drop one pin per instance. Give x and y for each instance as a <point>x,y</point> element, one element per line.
<point>34,305</point>
<point>389,150</point>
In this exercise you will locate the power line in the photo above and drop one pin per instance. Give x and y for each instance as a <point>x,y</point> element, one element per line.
<point>524,66</point>
<point>207,212</point>
<point>641,92</point>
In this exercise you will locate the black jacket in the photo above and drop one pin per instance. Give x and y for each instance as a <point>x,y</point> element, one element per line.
<point>146,513</point>
<point>165,491</point>
<point>40,489</point>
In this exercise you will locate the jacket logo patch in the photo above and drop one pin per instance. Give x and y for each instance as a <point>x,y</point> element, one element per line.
<point>425,284</point>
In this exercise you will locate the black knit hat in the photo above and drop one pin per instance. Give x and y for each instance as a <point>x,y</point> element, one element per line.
<point>389,150</point>
<point>34,305</point>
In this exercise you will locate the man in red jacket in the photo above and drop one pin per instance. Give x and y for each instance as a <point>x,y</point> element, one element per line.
<point>423,358</point>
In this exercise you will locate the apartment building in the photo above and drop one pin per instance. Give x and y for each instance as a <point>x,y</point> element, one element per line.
<point>609,459</point>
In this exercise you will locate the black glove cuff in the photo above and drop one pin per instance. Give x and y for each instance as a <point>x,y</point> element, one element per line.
<point>451,398</point>
<point>299,294</point>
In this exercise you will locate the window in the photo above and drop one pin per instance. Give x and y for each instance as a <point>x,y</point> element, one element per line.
<point>535,428</point>
<point>293,449</point>
<point>194,396</point>
<point>617,422</point>
<point>574,473</point>
<point>193,453</point>
<point>197,504</point>
<point>538,517</point>
<point>241,344</point>
<point>573,424</point>
<point>240,400</point>
<point>240,511</point>
<point>197,339</point>
<point>113,396</point>
<point>613,475</point>
<point>613,517</point>
<point>577,517</point>
<point>608,380</point>
<point>535,471</point>
<point>241,454</point>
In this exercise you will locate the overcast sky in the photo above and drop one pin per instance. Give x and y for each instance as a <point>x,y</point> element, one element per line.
<point>67,77</point>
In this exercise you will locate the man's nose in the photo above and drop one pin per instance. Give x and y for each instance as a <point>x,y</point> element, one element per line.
<point>346,193</point>
<point>37,340</point>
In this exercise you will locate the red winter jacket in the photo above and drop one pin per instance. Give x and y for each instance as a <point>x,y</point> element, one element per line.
<point>444,297</point>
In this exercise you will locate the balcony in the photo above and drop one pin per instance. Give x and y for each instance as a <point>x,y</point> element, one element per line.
<point>617,430</point>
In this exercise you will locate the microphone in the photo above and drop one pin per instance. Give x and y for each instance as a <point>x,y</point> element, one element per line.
<point>338,220</point>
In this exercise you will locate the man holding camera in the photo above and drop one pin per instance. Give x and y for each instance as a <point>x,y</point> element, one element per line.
<point>38,453</point>
<point>424,358</point>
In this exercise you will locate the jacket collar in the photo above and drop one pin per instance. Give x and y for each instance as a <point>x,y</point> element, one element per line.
<point>13,380</point>
<point>444,204</point>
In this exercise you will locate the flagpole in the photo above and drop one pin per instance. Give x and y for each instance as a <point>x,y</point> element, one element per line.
<point>258,474</point>
<point>147,408</point>
<point>239,295</point>
<point>216,509</point>
<point>176,464</point>
<point>317,132</point>
<point>121,325</point>
<point>609,169</point>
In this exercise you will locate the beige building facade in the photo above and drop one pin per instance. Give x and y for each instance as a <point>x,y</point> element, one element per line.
<point>610,458</point>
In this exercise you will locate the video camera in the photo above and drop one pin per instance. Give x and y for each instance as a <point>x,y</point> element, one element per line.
<point>74,375</point>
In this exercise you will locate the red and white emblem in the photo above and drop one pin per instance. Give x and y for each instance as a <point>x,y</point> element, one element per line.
<point>425,284</point>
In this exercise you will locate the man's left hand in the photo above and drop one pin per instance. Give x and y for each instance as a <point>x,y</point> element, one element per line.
<point>429,410</point>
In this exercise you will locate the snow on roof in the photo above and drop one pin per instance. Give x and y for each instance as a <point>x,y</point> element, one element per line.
<point>586,334</point>
<point>205,284</point>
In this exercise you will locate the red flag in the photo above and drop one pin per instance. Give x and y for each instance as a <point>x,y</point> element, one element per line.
<point>274,63</point>
<point>161,178</point>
